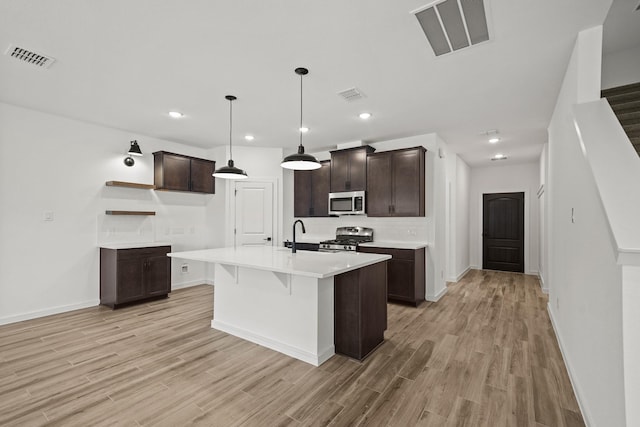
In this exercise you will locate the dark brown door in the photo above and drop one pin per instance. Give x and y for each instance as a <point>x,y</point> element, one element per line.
<point>503,232</point>
<point>340,171</point>
<point>177,172</point>
<point>320,181</point>
<point>157,275</point>
<point>357,170</point>
<point>202,180</point>
<point>379,184</point>
<point>129,279</point>
<point>407,197</point>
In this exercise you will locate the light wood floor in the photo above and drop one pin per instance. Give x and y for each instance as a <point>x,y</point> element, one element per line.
<point>485,355</point>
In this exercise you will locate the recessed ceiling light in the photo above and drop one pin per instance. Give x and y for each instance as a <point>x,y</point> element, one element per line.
<point>365,116</point>
<point>249,137</point>
<point>499,156</point>
<point>176,114</point>
<point>494,140</point>
<point>304,129</point>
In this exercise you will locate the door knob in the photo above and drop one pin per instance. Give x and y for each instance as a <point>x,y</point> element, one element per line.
<point>268,239</point>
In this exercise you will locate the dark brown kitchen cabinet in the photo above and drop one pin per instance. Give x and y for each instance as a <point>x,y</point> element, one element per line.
<point>349,169</point>
<point>176,172</point>
<point>360,310</point>
<point>395,183</point>
<point>134,274</point>
<point>405,273</point>
<point>311,191</point>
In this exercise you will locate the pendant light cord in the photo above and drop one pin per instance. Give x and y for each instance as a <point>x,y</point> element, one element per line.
<point>230,128</point>
<point>300,128</point>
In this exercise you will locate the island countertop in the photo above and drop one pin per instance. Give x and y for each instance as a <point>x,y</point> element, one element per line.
<point>280,260</point>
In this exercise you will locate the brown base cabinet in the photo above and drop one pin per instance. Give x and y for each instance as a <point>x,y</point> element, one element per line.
<point>405,273</point>
<point>360,310</point>
<point>129,275</point>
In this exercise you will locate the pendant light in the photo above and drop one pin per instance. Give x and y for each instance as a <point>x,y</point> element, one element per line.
<point>230,171</point>
<point>300,160</point>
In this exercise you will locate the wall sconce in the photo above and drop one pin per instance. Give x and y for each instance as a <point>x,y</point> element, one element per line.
<point>133,151</point>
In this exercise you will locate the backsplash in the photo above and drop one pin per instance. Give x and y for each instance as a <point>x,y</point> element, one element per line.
<point>389,229</point>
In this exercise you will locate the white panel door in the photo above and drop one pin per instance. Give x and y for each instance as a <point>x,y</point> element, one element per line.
<point>254,213</point>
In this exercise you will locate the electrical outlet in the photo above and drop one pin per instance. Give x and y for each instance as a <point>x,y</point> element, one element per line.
<point>47,216</point>
<point>185,268</point>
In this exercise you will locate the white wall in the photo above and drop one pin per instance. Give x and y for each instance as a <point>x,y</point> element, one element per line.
<point>50,163</point>
<point>463,192</point>
<point>543,256</point>
<point>585,295</point>
<point>506,179</point>
<point>621,68</point>
<point>431,228</point>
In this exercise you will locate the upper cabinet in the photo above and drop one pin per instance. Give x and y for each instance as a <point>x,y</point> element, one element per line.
<point>176,172</point>
<point>311,191</point>
<point>395,183</point>
<point>349,169</point>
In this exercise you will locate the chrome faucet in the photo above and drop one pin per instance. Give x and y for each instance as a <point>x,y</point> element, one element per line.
<point>293,245</point>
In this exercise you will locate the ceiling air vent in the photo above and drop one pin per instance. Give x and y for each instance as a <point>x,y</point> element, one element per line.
<point>30,57</point>
<point>452,25</point>
<point>352,94</point>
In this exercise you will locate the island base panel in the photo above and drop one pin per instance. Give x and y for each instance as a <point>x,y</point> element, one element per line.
<point>287,313</point>
<point>360,310</point>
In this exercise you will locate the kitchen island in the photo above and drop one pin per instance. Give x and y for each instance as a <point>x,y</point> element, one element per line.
<point>307,305</point>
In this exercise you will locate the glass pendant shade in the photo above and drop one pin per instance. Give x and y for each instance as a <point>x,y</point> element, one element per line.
<point>300,160</point>
<point>135,149</point>
<point>230,171</point>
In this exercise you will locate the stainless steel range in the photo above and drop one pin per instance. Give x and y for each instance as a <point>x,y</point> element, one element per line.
<point>347,239</point>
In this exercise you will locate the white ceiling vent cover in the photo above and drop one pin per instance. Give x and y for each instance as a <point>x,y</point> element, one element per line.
<point>352,94</point>
<point>452,25</point>
<point>30,57</point>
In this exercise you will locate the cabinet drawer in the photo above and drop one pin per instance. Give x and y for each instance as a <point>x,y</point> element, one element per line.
<point>143,252</point>
<point>407,254</point>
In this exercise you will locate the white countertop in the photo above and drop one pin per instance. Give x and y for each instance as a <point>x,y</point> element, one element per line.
<point>134,245</point>
<point>280,260</point>
<point>394,245</point>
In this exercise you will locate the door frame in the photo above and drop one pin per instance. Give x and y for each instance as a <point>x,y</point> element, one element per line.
<point>230,223</point>
<point>527,228</point>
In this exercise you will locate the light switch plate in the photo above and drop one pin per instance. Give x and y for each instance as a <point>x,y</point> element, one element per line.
<point>47,216</point>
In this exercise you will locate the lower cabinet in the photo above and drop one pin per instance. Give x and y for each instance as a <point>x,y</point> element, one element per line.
<point>405,273</point>
<point>134,274</point>
<point>360,309</point>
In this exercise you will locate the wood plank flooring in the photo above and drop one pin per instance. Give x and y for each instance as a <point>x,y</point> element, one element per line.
<point>484,355</point>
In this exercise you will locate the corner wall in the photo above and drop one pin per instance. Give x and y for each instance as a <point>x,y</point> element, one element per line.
<point>50,163</point>
<point>585,291</point>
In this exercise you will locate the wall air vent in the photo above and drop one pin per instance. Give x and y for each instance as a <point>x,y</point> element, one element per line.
<point>452,25</point>
<point>352,94</point>
<point>30,57</point>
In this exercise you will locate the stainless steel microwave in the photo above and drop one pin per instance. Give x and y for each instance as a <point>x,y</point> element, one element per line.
<point>347,203</point>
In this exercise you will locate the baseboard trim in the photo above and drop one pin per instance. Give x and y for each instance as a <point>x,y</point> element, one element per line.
<point>436,297</point>
<point>576,390</point>
<point>545,289</point>
<point>191,283</point>
<point>305,356</point>
<point>48,312</point>
<point>461,275</point>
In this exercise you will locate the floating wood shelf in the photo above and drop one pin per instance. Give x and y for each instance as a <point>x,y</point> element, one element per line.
<point>130,185</point>
<point>130,213</point>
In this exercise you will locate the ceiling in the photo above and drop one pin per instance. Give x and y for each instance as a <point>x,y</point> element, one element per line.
<point>125,64</point>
